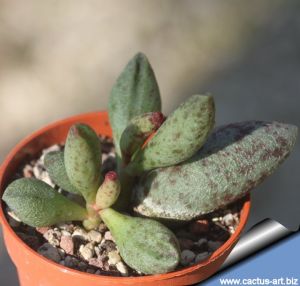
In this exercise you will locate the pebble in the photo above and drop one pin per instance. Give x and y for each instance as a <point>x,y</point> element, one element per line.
<point>13,215</point>
<point>108,245</point>
<point>82,266</point>
<point>104,156</point>
<point>97,250</point>
<point>185,243</point>
<point>45,178</point>
<point>108,236</point>
<point>96,262</point>
<point>87,251</point>
<point>49,251</point>
<point>42,230</point>
<point>214,245</point>
<point>66,227</point>
<point>202,256</point>
<point>67,244</point>
<point>90,270</point>
<point>52,148</point>
<point>40,173</point>
<point>27,171</point>
<point>71,261</point>
<point>65,233</point>
<point>113,258</point>
<point>80,233</point>
<point>37,170</point>
<point>121,267</point>
<point>95,236</point>
<point>187,256</point>
<point>199,226</point>
<point>61,252</point>
<point>228,219</point>
<point>102,227</point>
<point>202,242</point>
<point>53,237</point>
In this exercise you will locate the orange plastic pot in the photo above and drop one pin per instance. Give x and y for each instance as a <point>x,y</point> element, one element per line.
<point>33,269</point>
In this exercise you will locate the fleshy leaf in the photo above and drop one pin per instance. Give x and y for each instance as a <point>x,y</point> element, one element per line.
<point>38,204</point>
<point>109,191</point>
<point>235,159</point>
<point>144,244</point>
<point>83,160</point>
<point>55,166</point>
<point>134,93</point>
<point>180,136</point>
<point>137,131</point>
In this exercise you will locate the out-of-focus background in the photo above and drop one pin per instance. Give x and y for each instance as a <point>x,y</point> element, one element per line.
<point>59,58</point>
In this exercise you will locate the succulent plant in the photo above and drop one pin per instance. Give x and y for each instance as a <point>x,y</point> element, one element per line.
<point>168,169</point>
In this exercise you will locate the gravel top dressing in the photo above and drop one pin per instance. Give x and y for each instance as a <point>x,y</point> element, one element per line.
<point>95,252</point>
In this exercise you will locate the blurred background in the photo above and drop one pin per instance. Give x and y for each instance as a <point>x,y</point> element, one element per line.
<point>59,58</point>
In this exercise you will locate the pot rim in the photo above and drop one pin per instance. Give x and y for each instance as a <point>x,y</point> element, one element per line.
<point>148,278</point>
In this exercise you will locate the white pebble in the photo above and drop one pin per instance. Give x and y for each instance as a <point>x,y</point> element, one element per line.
<point>53,237</point>
<point>228,219</point>
<point>65,233</point>
<point>104,157</point>
<point>113,258</point>
<point>52,148</point>
<point>187,256</point>
<point>95,236</point>
<point>13,215</point>
<point>97,250</point>
<point>122,268</point>
<point>46,178</point>
<point>80,233</point>
<point>108,236</point>
<point>201,256</point>
<point>37,171</point>
<point>87,251</point>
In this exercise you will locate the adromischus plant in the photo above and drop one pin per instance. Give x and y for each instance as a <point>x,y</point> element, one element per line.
<point>183,171</point>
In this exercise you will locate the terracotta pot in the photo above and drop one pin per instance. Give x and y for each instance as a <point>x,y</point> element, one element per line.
<point>33,269</point>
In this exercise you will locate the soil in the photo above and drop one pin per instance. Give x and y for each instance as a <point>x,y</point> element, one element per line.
<point>69,244</point>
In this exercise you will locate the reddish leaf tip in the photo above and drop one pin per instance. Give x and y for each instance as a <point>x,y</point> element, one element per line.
<point>111,176</point>
<point>157,119</point>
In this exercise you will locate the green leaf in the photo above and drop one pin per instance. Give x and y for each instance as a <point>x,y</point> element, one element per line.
<point>235,159</point>
<point>144,244</point>
<point>109,191</point>
<point>83,160</point>
<point>134,93</point>
<point>138,130</point>
<point>37,204</point>
<point>55,166</point>
<point>180,137</point>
